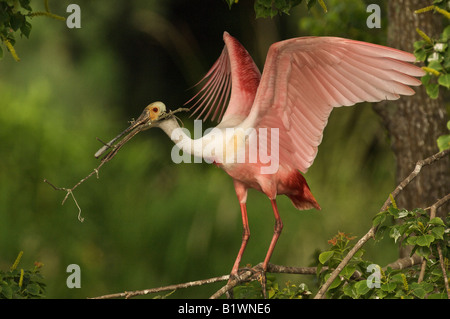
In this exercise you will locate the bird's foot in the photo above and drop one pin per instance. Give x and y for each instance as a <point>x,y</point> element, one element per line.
<point>259,269</point>
<point>242,274</point>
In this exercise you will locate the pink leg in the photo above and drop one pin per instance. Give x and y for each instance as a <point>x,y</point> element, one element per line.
<point>245,237</point>
<point>276,233</point>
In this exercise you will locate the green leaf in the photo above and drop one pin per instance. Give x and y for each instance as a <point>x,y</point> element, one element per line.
<point>443,142</point>
<point>403,213</point>
<point>1,53</point>
<point>325,256</point>
<point>311,3</point>
<point>25,4</point>
<point>444,80</point>
<point>26,29</point>
<point>270,8</point>
<point>426,79</point>
<point>420,290</point>
<point>33,289</point>
<point>395,234</point>
<point>7,291</point>
<point>17,20</point>
<point>424,240</point>
<point>348,271</point>
<point>438,232</point>
<point>379,235</point>
<point>393,211</point>
<point>418,44</point>
<point>446,33</point>
<point>433,90</point>
<point>434,64</point>
<point>350,290</point>
<point>389,287</point>
<point>411,240</point>
<point>230,2</point>
<point>423,251</point>
<point>379,219</point>
<point>437,220</point>
<point>361,287</point>
<point>336,282</point>
<point>441,295</point>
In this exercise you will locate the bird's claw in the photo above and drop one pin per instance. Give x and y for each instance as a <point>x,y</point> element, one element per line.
<point>257,272</point>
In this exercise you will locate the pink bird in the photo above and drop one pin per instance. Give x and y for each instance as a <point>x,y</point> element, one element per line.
<point>271,125</point>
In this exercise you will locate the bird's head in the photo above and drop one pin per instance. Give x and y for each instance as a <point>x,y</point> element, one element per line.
<point>152,115</point>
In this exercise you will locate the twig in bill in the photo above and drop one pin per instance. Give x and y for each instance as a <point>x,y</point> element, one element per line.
<point>114,148</point>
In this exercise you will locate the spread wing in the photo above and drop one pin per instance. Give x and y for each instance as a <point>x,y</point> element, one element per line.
<point>305,78</point>
<point>229,87</point>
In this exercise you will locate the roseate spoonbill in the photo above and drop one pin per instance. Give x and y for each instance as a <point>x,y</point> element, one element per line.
<point>302,81</point>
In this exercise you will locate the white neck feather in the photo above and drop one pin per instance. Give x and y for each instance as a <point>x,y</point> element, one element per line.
<point>181,137</point>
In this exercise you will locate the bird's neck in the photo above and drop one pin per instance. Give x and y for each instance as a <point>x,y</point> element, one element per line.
<point>181,137</point>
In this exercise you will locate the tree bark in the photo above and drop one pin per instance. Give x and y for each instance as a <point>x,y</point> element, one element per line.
<point>414,123</point>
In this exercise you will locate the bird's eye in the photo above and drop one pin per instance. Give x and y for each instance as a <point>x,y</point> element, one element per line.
<point>155,110</point>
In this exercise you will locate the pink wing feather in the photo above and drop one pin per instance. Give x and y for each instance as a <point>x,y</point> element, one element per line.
<point>232,80</point>
<point>305,78</point>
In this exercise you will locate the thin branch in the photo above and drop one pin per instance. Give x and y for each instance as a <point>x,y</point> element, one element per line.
<point>370,234</point>
<point>444,272</point>
<point>246,274</point>
<point>423,267</point>
<point>433,209</point>
<point>419,165</point>
<point>236,280</point>
<point>130,294</point>
<point>405,262</point>
<point>438,204</point>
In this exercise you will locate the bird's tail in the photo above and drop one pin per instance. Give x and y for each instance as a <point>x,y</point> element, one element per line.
<point>303,198</point>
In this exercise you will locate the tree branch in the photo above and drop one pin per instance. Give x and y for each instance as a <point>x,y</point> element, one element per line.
<point>130,294</point>
<point>419,165</point>
<point>405,262</point>
<point>370,234</point>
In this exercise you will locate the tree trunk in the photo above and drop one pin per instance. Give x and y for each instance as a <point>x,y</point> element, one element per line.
<point>414,123</point>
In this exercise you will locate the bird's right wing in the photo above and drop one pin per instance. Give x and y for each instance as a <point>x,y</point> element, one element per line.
<point>305,78</point>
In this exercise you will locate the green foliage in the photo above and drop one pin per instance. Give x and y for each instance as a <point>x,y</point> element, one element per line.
<point>252,290</point>
<point>443,141</point>
<point>417,230</point>
<point>290,291</point>
<point>271,8</point>
<point>15,16</point>
<point>363,279</point>
<point>426,236</point>
<point>353,12</point>
<point>22,284</point>
<point>435,53</point>
<point>340,246</point>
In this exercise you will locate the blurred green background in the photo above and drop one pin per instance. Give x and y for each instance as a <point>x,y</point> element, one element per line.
<point>150,222</point>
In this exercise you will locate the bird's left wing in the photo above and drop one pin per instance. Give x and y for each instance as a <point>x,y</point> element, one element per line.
<point>229,87</point>
<point>305,78</point>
